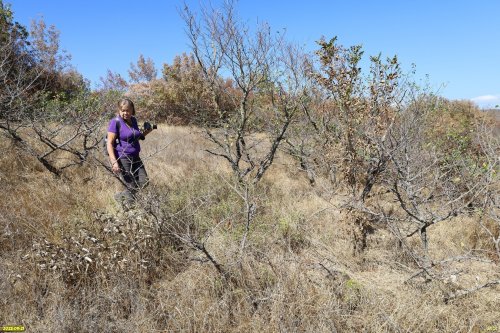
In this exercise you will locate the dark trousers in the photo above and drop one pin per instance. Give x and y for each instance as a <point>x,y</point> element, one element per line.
<point>134,177</point>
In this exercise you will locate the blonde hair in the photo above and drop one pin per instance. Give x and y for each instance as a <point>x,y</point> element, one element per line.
<point>126,102</point>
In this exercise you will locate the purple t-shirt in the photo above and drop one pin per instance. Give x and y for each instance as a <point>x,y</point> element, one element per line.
<point>128,140</point>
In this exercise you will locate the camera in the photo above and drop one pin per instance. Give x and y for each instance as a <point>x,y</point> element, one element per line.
<point>148,126</point>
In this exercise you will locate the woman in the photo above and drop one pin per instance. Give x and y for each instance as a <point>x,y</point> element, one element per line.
<point>123,150</point>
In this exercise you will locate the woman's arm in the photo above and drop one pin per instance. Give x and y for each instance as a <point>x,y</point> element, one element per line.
<point>146,132</point>
<point>111,152</point>
<point>143,132</point>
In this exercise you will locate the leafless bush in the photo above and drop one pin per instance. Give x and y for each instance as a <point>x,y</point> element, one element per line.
<point>59,132</point>
<point>380,132</point>
<point>489,219</point>
<point>268,89</point>
<point>58,135</point>
<point>268,78</point>
<point>429,184</point>
<point>421,179</point>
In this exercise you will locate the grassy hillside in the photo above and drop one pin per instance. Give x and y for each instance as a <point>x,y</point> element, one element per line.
<point>185,260</point>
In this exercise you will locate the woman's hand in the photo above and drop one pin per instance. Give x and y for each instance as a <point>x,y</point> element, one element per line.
<point>115,167</point>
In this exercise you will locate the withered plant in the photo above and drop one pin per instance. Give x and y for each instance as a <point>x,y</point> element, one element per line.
<point>268,89</point>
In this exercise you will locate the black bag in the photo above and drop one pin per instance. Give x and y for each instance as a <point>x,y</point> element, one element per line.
<point>105,140</point>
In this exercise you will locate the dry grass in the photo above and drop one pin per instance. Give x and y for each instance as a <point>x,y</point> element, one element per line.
<point>298,273</point>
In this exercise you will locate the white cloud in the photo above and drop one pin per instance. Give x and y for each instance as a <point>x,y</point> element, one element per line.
<point>487,101</point>
<point>486,98</point>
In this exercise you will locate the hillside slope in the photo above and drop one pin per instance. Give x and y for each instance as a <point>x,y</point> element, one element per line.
<point>184,259</point>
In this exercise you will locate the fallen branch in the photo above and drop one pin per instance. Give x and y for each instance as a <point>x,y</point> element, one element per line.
<point>466,292</point>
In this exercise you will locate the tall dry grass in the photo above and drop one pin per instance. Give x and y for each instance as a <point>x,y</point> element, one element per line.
<point>72,261</point>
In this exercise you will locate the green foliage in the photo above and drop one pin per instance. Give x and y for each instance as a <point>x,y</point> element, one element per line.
<point>353,284</point>
<point>451,131</point>
<point>9,27</point>
<point>351,113</point>
<point>79,108</point>
<point>452,128</point>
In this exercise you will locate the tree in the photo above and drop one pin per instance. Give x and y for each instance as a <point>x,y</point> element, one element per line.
<point>144,70</point>
<point>267,89</point>
<point>58,132</point>
<point>190,92</point>
<point>113,82</point>
<point>268,78</point>
<point>346,122</point>
<point>45,41</point>
<point>57,77</point>
<point>407,165</point>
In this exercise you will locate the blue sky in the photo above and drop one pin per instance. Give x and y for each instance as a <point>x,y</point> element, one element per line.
<point>456,43</point>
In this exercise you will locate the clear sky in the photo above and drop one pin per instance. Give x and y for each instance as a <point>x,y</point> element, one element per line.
<point>456,43</point>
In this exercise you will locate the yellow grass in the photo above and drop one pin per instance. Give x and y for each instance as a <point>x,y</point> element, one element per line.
<point>298,272</point>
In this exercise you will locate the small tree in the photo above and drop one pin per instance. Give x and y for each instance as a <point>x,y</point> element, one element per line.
<point>267,88</point>
<point>57,77</point>
<point>113,82</point>
<point>425,183</point>
<point>59,133</point>
<point>144,71</point>
<point>45,41</point>
<point>190,92</point>
<point>351,116</point>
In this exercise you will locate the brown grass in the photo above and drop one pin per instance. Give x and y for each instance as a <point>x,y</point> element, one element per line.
<point>299,272</point>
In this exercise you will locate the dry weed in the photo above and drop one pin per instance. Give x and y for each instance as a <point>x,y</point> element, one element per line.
<point>72,262</point>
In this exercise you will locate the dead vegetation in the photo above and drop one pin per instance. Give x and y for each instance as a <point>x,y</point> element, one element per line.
<point>72,262</point>
<point>311,198</point>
